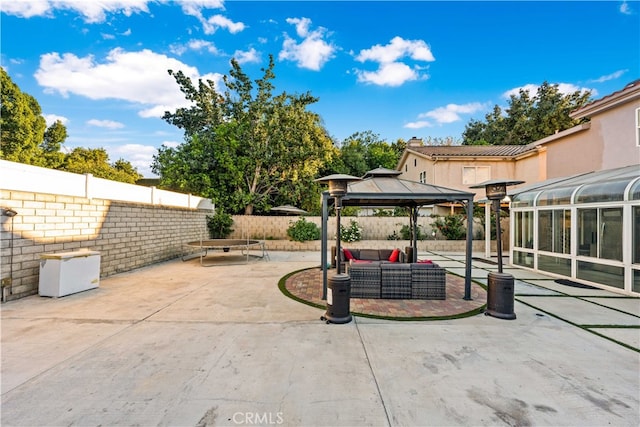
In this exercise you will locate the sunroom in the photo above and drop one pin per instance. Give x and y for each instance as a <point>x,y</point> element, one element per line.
<point>584,228</point>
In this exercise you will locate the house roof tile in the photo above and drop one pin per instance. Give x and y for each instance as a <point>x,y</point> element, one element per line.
<point>474,150</point>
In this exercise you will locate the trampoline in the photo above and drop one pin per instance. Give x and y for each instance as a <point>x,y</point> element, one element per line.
<point>203,247</point>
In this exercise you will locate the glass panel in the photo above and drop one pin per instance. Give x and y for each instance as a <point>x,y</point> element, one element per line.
<point>588,232</point>
<point>611,233</point>
<point>635,286</point>
<point>561,231</point>
<point>602,192</point>
<point>523,200</point>
<point>603,274</point>
<point>554,265</point>
<point>545,230</point>
<point>523,233</point>
<point>556,196</point>
<point>554,231</point>
<point>523,258</point>
<point>634,194</point>
<point>636,235</point>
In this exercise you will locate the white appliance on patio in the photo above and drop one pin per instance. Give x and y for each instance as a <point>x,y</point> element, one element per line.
<point>66,273</point>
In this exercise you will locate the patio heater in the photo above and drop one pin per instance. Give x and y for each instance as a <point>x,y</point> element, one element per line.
<point>338,286</point>
<point>8,281</point>
<point>500,285</point>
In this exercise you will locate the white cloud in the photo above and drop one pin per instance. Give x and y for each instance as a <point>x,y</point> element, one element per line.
<point>244,57</point>
<point>451,113</point>
<point>92,11</point>
<point>391,58</point>
<point>418,125</point>
<point>612,76</point>
<point>140,156</point>
<point>107,124</point>
<point>389,74</point>
<point>52,118</point>
<point>195,45</point>
<point>313,51</point>
<point>212,24</point>
<point>625,8</point>
<point>396,49</point>
<point>194,7</point>
<point>96,11</point>
<point>532,89</point>
<point>137,77</point>
<point>170,144</point>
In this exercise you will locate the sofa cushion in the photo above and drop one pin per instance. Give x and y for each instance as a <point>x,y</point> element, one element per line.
<point>369,254</point>
<point>348,255</point>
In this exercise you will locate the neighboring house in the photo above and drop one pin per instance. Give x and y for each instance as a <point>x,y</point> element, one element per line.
<point>610,140</point>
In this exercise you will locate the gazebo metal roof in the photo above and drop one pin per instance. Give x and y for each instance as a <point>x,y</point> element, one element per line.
<point>381,187</point>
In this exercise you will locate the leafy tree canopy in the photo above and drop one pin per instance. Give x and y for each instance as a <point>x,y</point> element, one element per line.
<point>527,118</point>
<point>364,151</point>
<point>25,138</point>
<point>246,148</point>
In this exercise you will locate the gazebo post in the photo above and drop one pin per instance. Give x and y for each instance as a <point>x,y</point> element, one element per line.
<point>414,219</point>
<point>469,251</point>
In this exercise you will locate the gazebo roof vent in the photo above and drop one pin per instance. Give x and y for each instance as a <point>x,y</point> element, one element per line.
<point>381,172</point>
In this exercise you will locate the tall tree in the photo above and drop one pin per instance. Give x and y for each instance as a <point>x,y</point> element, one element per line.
<point>54,137</point>
<point>21,124</point>
<point>363,151</point>
<point>245,147</point>
<point>527,118</point>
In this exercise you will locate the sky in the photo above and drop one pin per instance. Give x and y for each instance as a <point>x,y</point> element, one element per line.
<point>397,69</point>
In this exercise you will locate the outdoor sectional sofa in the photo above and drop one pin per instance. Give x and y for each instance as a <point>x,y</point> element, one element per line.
<point>374,276</point>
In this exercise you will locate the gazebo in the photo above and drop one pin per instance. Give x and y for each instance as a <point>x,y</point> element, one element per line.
<point>381,188</point>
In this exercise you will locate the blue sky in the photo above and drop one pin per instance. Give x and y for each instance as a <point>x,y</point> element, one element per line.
<point>399,69</point>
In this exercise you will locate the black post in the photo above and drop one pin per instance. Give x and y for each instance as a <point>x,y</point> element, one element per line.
<point>498,234</point>
<point>338,206</point>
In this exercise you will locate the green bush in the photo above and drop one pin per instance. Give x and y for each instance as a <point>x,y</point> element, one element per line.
<point>451,226</point>
<point>405,234</point>
<point>352,233</point>
<point>303,230</point>
<point>219,224</point>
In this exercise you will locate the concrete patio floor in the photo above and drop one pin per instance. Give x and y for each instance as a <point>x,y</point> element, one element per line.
<point>177,344</point>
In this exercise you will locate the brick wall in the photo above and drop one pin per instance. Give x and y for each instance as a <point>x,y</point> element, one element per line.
<point>127,235</point>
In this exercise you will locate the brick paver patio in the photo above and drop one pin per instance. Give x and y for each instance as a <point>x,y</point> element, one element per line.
<point>307,285</point>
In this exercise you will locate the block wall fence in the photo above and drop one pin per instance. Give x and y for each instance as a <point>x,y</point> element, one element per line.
<point>127,235</point>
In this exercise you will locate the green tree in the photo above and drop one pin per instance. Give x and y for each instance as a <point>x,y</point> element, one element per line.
<point>54,137</point>
<point>527,118</point>
<point>364,151</point>
<point>246,147</point>
<point>21,124</point>
<point>96,162</point>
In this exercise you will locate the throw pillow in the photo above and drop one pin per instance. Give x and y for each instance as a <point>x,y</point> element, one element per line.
<point>394,255</point>
<point>348,255</point>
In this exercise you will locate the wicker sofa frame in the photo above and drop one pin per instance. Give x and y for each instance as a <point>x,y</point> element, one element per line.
<point>387,280</point>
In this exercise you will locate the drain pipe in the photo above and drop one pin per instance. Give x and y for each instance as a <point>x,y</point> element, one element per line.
<point>8,282</point>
